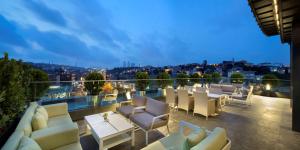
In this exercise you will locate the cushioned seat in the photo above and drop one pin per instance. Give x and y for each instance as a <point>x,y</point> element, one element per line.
<point>72,146</point>
<point>127,110</point>
<point>59,120</point>
<point>144,120</point>
<point>174,141</point>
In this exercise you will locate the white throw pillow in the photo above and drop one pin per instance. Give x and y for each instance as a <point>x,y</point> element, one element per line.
<point>38,121</point>
<point>43,111</point>
<point>27,143</point>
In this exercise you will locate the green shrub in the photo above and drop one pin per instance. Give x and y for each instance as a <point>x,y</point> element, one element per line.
<point>182,79</point>
<point>195,78</point>
<point>237,78</point>
<point>207,78</point>
<point>270,79</point>
<point>142,80</point>
<point>94,83</point>
<point>216,77</point>
<point>164,80</point>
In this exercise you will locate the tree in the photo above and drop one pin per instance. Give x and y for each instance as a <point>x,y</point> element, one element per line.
<point>164,79</point>
<point>216,77</point>
<point>237,78</point>
<point>11,81</point>
<point>195,78</point>
<point>94,82</point>
<point>182,79</point>
<point>270,79</point>
<point>207,78</point>
<point>142,80</point>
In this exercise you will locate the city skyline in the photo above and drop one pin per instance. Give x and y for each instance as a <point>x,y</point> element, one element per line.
<point>160,33</point>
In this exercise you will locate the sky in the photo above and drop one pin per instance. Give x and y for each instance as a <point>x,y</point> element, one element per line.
<point>105,33</point>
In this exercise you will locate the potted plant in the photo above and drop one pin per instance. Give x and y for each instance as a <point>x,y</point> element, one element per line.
<point>182,79</point>
<point>207,78</point>
<point>93,84</point>
<point>163,81</point>
<point>216,77</point>
<point>237,78</point>
<point>107,88</point>
<point>269,81</point>
<point>142,82</point>
<point>195,78</point>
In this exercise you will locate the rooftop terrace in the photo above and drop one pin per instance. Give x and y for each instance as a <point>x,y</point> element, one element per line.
<point>266,124</point>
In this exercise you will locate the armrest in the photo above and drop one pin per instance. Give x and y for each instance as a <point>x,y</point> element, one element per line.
<point>124,102</point>
<point>54,137</point>
<point>110,95</point>
<point>56,109</point>
<point>137,108</point>
<point>183,124</point>
<point>158,117</point>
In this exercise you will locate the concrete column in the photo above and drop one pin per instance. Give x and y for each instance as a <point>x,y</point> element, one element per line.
<point>295,75</point>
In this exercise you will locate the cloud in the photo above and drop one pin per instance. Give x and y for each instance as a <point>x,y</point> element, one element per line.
<point>50,45</point>
<point>45,13</point>
<point>9,34</point>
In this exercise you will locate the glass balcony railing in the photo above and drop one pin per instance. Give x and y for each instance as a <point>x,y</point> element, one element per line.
<point>77,95</point>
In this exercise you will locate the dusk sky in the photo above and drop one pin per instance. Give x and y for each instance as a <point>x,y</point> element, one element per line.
<point>105,33</point>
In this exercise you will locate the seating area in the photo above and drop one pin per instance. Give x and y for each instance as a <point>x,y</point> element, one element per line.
<point>45,128</point>
<point>155,126</point>
<point>208,100</point>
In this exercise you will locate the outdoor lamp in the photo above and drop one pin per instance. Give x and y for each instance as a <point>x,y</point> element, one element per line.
<point>268,87</point>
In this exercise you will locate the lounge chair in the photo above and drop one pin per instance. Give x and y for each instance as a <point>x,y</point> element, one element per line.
<point>155,115</point>
<point>127,110</point>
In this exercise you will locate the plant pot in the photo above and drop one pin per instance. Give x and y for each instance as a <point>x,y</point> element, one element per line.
<point>141,93</point>
<point>161,92</point>
<point>93,99</point>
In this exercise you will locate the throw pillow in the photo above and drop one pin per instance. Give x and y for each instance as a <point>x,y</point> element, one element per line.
<point>38,121</point>
<point>43,111</point>
<point>196,137</point>
<point>27,143</point>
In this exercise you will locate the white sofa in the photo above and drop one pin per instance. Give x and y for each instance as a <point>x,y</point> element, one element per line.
<point>60,132</point>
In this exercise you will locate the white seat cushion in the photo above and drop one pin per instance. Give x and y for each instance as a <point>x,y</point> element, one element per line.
<point>27,143</point>
<point>58,120</point>
<point>73,146</point>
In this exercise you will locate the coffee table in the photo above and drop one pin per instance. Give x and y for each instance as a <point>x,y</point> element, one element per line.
<point>110,133</point>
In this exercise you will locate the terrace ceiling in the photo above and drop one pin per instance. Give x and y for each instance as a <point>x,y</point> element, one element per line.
<point>275,17</point>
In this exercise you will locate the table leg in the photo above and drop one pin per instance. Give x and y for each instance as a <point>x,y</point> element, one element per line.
<point>101,145</point>
<point>132,138</point>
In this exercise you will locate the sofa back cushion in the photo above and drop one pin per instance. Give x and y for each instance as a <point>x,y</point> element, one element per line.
<point>27,143</point>
<point>196,137</point>
<point>216,140</point>
<point>156,107</point>
<point>13,141</point>
<point>38,121</point>
<point>138,101</point>
<point>25,122</point>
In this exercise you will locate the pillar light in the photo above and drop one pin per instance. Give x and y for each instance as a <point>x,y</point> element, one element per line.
<point>268,87</point>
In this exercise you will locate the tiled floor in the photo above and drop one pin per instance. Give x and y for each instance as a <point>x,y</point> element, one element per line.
<point>264,125</point>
